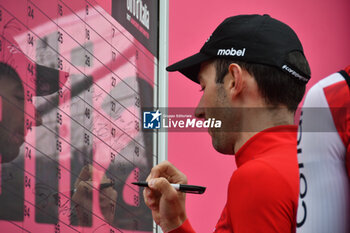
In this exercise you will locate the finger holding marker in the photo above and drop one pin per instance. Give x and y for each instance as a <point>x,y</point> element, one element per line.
<point>166,203</point>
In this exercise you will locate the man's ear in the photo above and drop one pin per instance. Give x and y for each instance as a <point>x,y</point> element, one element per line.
<point>235,79</point>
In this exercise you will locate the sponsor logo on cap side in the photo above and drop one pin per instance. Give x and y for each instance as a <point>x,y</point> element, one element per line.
<point>294,73</point>
<point>231,52</point>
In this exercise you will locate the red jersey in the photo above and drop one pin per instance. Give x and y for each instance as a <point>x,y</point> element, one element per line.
<point>263,191</point>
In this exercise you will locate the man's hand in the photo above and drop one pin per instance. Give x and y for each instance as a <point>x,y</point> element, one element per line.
<point>83,198</point>
<point>167,204</point>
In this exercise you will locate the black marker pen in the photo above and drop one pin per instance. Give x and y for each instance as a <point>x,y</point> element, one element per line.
<point>180,187</point>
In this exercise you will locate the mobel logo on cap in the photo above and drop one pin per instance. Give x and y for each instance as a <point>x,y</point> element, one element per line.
<point>231,52</point>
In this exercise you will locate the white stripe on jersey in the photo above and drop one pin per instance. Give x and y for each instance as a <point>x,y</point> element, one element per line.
<point>327,198</point>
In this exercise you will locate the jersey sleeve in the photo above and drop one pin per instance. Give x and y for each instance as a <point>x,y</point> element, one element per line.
<point>184,228</point>
<point>338,99</point>
<point>260,200</point>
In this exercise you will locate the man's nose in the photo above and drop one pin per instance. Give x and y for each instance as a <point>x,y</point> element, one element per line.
<point>199,112</point>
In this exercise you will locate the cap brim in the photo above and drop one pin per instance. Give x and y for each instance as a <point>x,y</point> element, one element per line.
<point>190,66</point>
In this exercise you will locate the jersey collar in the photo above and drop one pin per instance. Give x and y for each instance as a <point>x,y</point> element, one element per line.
<point>268,139</point>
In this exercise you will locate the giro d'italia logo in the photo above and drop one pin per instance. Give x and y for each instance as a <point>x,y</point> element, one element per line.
<point>151,120</point>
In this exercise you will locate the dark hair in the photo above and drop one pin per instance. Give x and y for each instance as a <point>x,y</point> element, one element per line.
<point>276,86</point>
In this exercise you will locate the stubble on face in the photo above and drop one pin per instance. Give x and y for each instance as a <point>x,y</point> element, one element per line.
<point>223,139</point>
<point>216,103</point>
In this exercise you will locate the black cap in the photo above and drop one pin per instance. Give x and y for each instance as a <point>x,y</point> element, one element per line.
<point>256,39</point>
